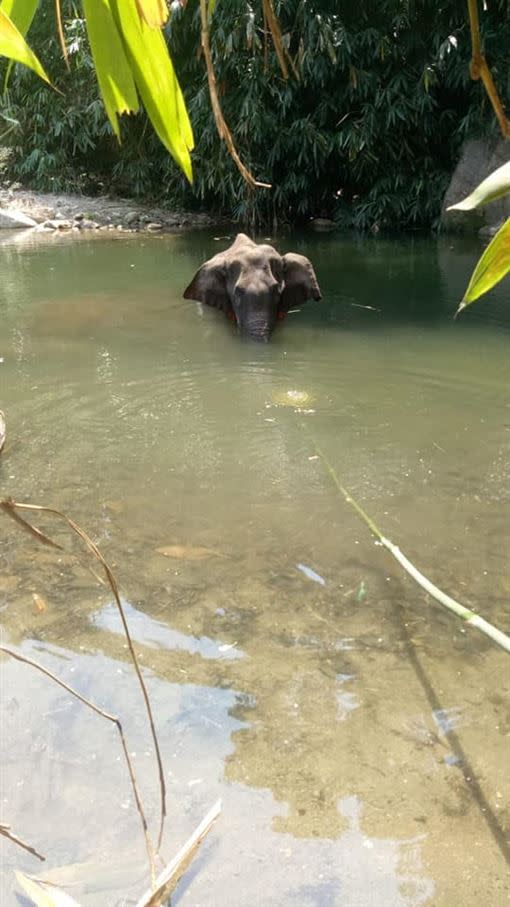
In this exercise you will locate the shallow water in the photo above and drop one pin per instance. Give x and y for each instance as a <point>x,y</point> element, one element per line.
<point>358,735</point>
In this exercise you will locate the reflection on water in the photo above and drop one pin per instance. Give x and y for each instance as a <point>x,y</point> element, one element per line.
<point>357,735</point>
<point>155,633</point>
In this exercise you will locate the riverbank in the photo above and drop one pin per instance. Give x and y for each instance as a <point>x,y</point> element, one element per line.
<point>51,212</point>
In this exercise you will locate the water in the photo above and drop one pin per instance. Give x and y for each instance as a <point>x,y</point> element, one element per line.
<point>357,734</point>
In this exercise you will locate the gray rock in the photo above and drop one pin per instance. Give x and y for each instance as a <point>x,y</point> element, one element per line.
<point>14,220</point>
<point>57,224</point>
<point>132,217</point>
<point>153,226</point>
<point>79,216</point>
<point>88,224</point>
<point>479,158</point>
<point>489,230</point>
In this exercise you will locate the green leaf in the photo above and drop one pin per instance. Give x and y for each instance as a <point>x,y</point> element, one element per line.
<point>112,67</point>
<point>156,82</point>
<point>491,268</point>
<point>495,186</point>
<point>20,12</point>
<point>154,12</point>
<point>211,7</point>
<point>43,894</point>
<point>14,46</point>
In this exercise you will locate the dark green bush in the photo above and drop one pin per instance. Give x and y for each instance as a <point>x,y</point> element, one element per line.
<point>368,135</point>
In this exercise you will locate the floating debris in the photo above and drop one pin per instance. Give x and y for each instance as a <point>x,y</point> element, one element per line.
<point>189,552</point>
<point>362,591</point>
<point>292,398</point>
<point>311,574</point>
<point>39,602</point>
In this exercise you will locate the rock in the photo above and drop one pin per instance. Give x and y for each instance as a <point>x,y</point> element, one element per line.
<point>15,220</point>
<point>479,158</point>
<point>153,226</point>
<point>132,217</point>
<point>79,216</point>
<point>145,219</point>
<point>489,230</point>
<point>323,224</point>
<point>57,224</point>
<point>89,224</point>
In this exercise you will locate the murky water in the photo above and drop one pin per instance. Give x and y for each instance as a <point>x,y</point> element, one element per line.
<point>358,735</point>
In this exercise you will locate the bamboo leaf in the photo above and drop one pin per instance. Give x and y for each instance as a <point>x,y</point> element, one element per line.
<point>112,67</point>
<point>157,83</point>
<point>491,268</point>
<point>21,14</point>
<point>153,12</point>
<point>14,46</point>
<point>495,186</point>
<point>42,894</point>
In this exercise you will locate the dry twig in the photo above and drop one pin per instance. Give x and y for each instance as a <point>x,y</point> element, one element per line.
<point>116,721</point>
<point>480,70</point>
<point>5,830</point>
<point>11,507</point>
<point>61,36</point>
<point>223,130</point>
<point>168,879</point>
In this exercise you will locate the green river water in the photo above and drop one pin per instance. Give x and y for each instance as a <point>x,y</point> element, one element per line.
<point>358,735</point>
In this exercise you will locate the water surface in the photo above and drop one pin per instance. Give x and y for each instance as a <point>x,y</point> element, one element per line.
<point>358,735</point>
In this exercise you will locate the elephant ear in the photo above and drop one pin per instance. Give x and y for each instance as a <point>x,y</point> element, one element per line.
<point>300,282</point>
<point>209,284</point>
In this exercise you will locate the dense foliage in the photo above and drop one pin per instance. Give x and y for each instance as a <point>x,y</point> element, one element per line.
<point>368,134</point>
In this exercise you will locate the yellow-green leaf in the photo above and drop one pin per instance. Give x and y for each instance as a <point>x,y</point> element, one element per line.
<point>156,82</point>
<point>154,12</point>
<point>495,186</point>
<point>491,268</point>
<point>43,894</point>
<point>14,46</point>
<point>112,67</point>
<point>21,14</point>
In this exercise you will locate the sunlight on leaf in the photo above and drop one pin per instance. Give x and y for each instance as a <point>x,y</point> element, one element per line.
<point>112,66</point>
<point>42,894</point>
<point>495,186</point>
<point>20,12</point>
<point>157,83</point>
<point>14,46</point>
<point>154,12</point>
<point>491,268</point>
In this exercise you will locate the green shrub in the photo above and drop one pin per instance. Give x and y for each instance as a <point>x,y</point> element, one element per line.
<point>368,135</point>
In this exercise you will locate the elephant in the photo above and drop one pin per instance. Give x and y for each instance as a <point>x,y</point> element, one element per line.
<point>254,285</point>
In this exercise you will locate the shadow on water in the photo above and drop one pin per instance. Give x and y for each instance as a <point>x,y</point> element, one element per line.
<point>357,734</point>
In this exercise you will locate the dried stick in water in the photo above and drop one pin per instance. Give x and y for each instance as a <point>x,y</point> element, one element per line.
<point>116,721</point>
<point>12,507</point>
<point>5,830</point>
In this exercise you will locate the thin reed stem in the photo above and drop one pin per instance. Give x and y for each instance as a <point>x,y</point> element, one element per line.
<point>114,720</point>
<point>11,507</point>
<point>471,618</point>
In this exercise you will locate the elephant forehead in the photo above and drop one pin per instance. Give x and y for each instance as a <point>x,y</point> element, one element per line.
<point>256,261</point>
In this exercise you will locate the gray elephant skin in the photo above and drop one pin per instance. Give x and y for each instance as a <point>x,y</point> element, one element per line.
<point>254,285</point>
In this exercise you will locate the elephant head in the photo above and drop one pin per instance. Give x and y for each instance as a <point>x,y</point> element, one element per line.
<point>254,285</point>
